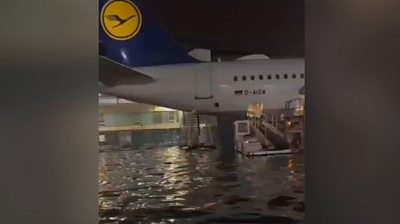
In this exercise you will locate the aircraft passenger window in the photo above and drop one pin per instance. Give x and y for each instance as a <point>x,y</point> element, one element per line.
<point>277,76</point>
<point>252,77</point>
<point>285,76</point>
<point>244,78</point>
<point>302,75</point>
<point>293,76</point>
<point>235,78</point>
<point>269,77</point>
<point>261,77</point>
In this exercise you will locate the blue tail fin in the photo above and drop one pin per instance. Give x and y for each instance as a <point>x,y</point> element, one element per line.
<point>130,36</point>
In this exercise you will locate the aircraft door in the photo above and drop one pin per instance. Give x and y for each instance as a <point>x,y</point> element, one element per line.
<point>202,83</point>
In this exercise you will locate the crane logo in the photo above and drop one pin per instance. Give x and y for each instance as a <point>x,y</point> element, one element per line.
<point>120,19</point>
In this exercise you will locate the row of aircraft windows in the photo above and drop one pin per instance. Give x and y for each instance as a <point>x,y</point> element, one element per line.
<point>269,77</point>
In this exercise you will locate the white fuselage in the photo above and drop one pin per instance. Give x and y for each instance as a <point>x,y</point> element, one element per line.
<point>218,86</point>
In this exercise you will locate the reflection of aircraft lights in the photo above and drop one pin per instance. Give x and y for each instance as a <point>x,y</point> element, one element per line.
<point>172,157</point>
<point>291,166</point>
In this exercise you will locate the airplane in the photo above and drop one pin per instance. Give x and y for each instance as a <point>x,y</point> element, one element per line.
<point>211,88</point>
<point>141,62</point>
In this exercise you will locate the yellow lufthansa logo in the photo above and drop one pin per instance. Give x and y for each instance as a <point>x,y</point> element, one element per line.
<point>121,19</point>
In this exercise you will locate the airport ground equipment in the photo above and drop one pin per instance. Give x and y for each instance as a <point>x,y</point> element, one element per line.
<point>295,119</point>
<point>196,134</point>
<point>249,143</point>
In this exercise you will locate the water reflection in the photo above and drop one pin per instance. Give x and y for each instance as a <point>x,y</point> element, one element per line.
<point>170,185</point>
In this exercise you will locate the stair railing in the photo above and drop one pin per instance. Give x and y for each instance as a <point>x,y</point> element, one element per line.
<point>271,127</point>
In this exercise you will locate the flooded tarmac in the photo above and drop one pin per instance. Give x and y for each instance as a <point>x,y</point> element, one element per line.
<point>172,185</point>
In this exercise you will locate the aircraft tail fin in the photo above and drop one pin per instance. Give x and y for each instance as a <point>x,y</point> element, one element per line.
<point>130,36</point>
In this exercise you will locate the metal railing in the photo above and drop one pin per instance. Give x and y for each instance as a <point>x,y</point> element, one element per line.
<point>297,103</point>
<point>295,107</point>
<point>264,126</point>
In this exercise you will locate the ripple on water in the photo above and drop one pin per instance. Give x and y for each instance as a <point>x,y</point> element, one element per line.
<point>169,185</point>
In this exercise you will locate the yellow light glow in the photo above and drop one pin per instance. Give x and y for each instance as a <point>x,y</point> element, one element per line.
<point>157,108</point>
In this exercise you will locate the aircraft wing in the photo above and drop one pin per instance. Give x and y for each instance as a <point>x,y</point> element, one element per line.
<point>113,74</point>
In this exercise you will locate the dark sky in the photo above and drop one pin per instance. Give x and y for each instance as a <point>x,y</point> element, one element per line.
<point>271,27</point>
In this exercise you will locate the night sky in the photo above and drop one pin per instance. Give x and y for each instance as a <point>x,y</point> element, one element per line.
<point>235,27</point>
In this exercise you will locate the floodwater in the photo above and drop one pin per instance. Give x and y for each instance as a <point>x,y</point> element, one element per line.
<point>172,185</point>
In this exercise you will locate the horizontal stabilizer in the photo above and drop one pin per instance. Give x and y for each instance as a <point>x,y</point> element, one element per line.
<point>201,54</point>
<point>254,57</point>
<point>113,74</point>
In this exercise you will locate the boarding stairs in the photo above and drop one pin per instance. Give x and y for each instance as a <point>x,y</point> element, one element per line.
<point>196,134</point>
<point>191,129</point>
<point>265,128</point>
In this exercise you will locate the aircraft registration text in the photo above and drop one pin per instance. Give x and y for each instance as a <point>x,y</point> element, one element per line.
<point>247,92</point>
